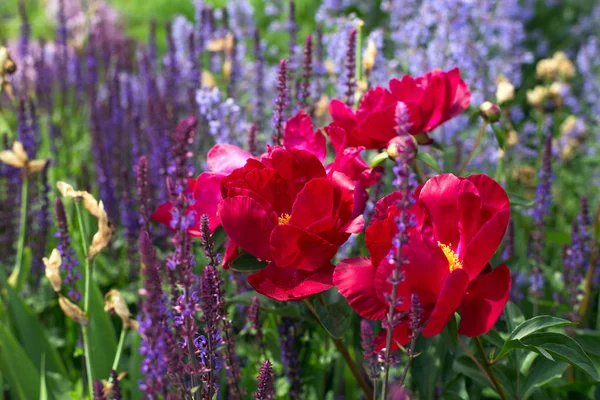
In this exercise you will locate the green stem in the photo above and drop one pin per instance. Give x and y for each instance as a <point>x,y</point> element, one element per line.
<point>87,334</point>
<point>359,41</point>
<point>343,350</point>
<point>18,276</point>
<point>489,369</point>
<point>115,363</point>
<point>475,146</point>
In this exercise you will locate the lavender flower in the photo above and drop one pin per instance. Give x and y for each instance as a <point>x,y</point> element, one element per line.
<point>116,386</point>
<point>69,262</point>
<point>370,355</point>
<point>574,268</point>
<point>543,198</point>
<point>99,391</point>
<point>43,225</point>
<point>264,387</point>
<point>281,103</point>
<point>307,71</point>
<point>143,192</point>
<point>351,68</point>
<point>508,251</point>
<point>287,329</point>
<point>153,327</point>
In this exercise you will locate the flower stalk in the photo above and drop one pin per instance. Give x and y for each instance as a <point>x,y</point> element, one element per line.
<point>17,278</point>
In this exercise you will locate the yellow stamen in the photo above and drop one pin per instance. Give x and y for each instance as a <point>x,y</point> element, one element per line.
<point>453,260</point>
<point>284,219</point>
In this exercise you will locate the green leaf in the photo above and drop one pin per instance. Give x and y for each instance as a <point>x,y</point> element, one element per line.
<point>450,334</point>
<point>537,324</point>
<point>542,371</point>
<point>335,317</point>
<point>514,316</point>
<point>31,333</point>
<point>527,328</point>
<point>518,201</point>
<point>43,387</point>
<point>379,158</point>
<point>247,263</point>
<point>286,309</point>
<point>22,375</point>
<point>500,136</point>
<point>103,344</point>
<point>429,160</point>
<point>562,347</point>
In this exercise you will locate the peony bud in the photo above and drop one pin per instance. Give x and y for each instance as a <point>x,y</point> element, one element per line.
<point>490,111</point>
<point>564,66</point>
<point>53,269</point>
<point>403,146</point>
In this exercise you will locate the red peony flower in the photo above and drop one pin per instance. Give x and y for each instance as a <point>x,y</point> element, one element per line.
<point>460,223</point>
<point>284,209</point>
<point>298,134</point>
<point>204,192</point>
<point>431,100</point>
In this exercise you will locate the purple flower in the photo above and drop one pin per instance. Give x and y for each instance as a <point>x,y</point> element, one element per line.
<point>264,386</point>
<point>288,331</point>
<point>70,264</point>
<point>281,102</point>
<point>371,356</point>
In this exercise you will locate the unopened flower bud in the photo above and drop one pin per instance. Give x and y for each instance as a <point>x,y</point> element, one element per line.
<point>18,158</point>
<point>53,269</point>
<point>72,310</point>
<point>489,111</point>
<point>105,230</point>
<point>403,146</point>
<point>564,66</point>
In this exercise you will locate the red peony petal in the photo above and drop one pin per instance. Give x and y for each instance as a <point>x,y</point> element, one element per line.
<point>484,302</point>
<point>246,223</point>
<point>232,252</point>
<point>439,198</point>
<point>224,158</point>
<point>451,295</point>
<point>491,193</point>
<point>355,280</point>
<point>285,284</point>
<point>314,203</point>
<point>298,134</point>
<point>484,244</point>
<point>460,94</point>
<point>207,195</point>
<point>292,247</point>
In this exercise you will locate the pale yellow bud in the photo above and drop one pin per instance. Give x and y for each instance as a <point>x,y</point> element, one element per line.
<point>67,190</point>
<point>115,303</point>
<point>36,165</point>
<point>102,237</point>
<point>512,138</point>
<point>15,157</point>
<point>53,269</point>
<point>227,70</point>
<point>221,44</point>
<point>330,67</point>
<point>564,66</point>
<point>369,56</point>
<point>537,96</point>
<point>207,79</point>
<point>505,92</point>
<point>72,310</point>
<point>322,106</point>
<point>547,68</point>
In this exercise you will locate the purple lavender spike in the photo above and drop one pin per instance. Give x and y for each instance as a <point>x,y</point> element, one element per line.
<point>212,286</point>
<point>99,391</point>
<point>42,228</point>
<point>370,355</point>
<point>116,386</point>
<point>152,48</point>
<point>281,102</point>
<point>287,329</point>
<point>143,192</point>
<point>508,251</point>
<point>307,71</point>
<point>351,68</point>
<point>264,387</point>
<point>252,146</point>
<point>259,94</point>
<point>25,36</point>
<point>69,264</point>
<point>11,189</point>
<point>543,199</point>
